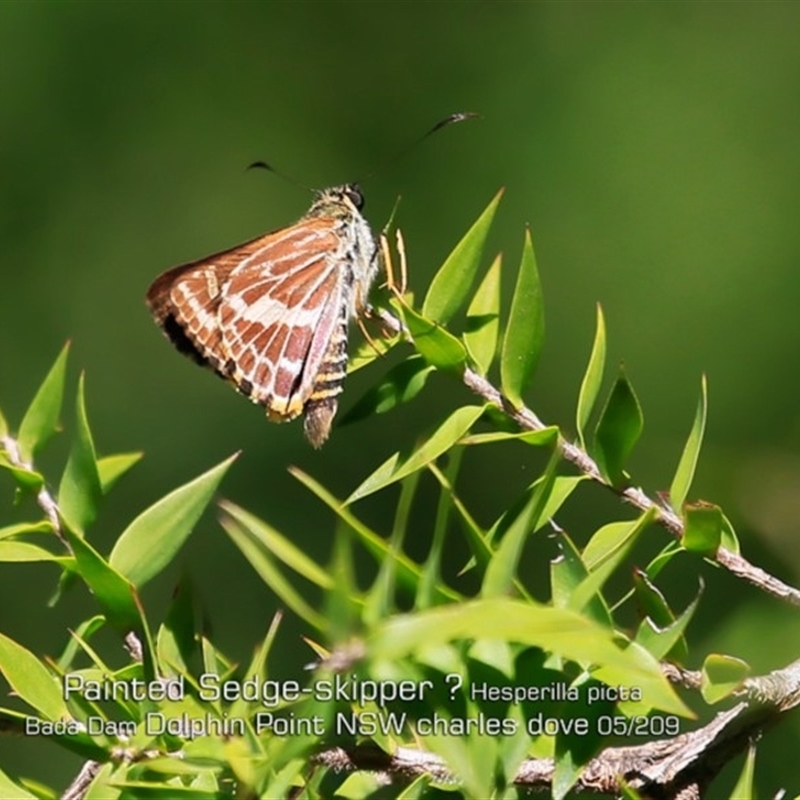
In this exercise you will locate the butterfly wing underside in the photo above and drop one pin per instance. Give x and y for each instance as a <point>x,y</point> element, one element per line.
<point>269,315</point>
<point>280,316</point>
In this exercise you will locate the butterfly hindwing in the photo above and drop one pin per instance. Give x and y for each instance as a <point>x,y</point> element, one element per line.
<point>277,314</point>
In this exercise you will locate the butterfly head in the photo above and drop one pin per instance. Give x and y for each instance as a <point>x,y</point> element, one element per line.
<point>347,200</point>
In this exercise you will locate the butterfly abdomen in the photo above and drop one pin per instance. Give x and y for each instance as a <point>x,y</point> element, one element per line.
<point>320,408</point>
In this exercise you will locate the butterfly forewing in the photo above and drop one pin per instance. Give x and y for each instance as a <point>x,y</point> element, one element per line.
<point>271,315</point>
<point>277,315</point>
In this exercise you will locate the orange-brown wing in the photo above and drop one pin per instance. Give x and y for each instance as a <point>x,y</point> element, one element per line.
<point>278,312</point>
<point>184,301</point>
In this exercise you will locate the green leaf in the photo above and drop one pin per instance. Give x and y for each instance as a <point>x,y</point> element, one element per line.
<point>27,480</point>
<point>592,379</point>
<point>431,568</point>
<point>112,590</point>
<point>730,541</point>
<point>408,573</point>
<point>151,541</point>
<point>261,559</point>
<point>30,680</point>
<point>20,528</point>
<point>744,788</point>
<point>567,572</point>
<point>3,432</point>
<point>403,382</point>
<point>22,551</point>
<point>662,641</point>
<point>476,536</point>
<point>556,630</point>
<point>369,351</point>
<point>684,475</point>
<point>439,347</point>
<point>112,468</point>
<point>721,676</point>
<point>175,640</point>
<point>439,442</point>
<point>702,528</point>
<point>618,430</point>
<point>653,605</point>
<point>451,284</point>
<point>80,634</point>
<point>502,568</point>
<point>277,545</point>
<point>603,554</point>
<point>524,335</point>
<point>483,320</point>
<point>79,492</point>
<point>10,790</point>
<point>538,438</point>
<point>41,419</point>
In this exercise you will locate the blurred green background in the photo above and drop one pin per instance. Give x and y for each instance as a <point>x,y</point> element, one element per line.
<point>652,147</point>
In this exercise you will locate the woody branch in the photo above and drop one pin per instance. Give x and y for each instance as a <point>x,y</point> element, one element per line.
<point>576,455</point>
<point>681,767</point>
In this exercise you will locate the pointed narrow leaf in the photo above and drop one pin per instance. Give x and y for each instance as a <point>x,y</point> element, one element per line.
<point>590,385</point>
<point>567,572</point>
<point>79,492</point>
<point>3,425</point>
<point>403,382</point>
<point>721,676</point>
<point>684,475</point>
<point>483,320</point>
<point>114,593</point>
<point>431,568</point>
<point>702,528</point>
<point>618,430</point>
<point>369,351</point>
<point>451,284</point>
<point>30,679</point>
<point>41,419</point>
<point>26,479</point>
<point>112,468</point>
<point>25,527</point>
<point>262,561</point>
<point>524,335</point>
<point>22,551</point>
<point>745,783</point>
<point>151,541</point>
<point>13,791</point>
<point>437,345</point>
<point>652,604</point>
<point>604,553</point>
<point>503,567</point>
<point>269,539</point>
<point>408,573</point>
<point>664,641</point>
<point>730,541</point>
<point>441,440</point>
<point>556,630</point>
<point>476,536</point>
<point>538,438</point>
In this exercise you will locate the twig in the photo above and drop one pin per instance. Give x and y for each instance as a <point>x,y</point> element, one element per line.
<point>666,517</point>
<point>43,497</point>
<point>680,767</point>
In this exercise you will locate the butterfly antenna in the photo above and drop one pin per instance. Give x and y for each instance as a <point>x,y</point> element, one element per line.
<point>282,175</point>
<point>452,119</point>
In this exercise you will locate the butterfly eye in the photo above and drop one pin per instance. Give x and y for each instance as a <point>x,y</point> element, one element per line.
<point>353,193</point>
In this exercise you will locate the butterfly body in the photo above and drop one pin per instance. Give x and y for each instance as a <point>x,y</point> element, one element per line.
<point>271,315</point>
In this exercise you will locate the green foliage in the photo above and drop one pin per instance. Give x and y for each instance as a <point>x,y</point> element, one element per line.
<point>468,666</point>
<point>618,430</point>
<point>524,336</point>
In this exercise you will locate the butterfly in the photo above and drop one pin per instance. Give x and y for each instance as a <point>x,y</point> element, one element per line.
<point>272,315</point>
